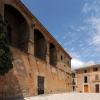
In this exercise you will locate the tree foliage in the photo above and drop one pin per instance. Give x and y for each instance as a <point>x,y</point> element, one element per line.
<point>5,54</point>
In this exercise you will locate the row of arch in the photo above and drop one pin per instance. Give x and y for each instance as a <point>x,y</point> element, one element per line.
<point>40,48</point>
<point>17,32</point>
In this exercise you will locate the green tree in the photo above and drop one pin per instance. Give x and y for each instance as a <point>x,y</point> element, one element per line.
<point>5,54</point>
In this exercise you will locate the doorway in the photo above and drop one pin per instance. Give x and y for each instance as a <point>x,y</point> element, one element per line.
<point>40,85</point>
<point>86,88</point>
<point>97,88</point>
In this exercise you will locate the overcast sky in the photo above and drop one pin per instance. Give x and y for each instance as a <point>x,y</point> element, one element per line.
<point>74,23</point>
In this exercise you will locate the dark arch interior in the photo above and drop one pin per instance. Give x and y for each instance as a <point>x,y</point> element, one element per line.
<point>53,55</point>
<point>40,47</point>
<point>17,28</point>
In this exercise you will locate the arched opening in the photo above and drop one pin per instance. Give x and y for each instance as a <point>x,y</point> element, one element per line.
<point>17,30</point>
<point>53,55</point>
<point>40,47</point>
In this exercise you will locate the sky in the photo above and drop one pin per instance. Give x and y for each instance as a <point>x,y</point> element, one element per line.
<point>75,24</point>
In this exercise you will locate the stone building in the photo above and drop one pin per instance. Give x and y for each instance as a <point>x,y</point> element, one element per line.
<point>40,64</point>
<point>74,81</point>
<point>88,79</point>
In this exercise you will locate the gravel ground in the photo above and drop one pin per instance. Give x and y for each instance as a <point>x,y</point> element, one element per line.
<point>68,96</point>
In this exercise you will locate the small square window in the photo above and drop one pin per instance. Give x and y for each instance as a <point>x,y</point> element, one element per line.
<point>96,77</point>
<point>95,69</point>
<point>85,71</point>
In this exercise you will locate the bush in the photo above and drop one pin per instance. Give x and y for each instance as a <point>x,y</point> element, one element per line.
<point>5,54</point>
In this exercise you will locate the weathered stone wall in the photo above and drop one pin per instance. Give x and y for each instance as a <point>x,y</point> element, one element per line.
<point>10,88</point>
<point>22,79</point>
<point>27,68</point>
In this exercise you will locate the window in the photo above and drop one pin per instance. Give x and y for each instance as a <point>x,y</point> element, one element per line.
<point>61,57</point>
<point>68,63</point>
<point>73,82</point>
<point>96,77</point>
<point>95,69</point>
<point>53,55</point>
<point>85,71</point>
<point>85,79</point>
<point>73,75</point>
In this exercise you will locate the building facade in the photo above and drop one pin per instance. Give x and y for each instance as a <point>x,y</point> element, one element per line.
<point>40,64</point>
<point>88,79</point>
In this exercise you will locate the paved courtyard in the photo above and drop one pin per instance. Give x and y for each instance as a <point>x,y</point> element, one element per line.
<point>68,96</point>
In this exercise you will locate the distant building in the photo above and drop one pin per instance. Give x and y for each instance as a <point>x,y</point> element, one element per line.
<point>88,79</point>
<point>74,82</point>
<point>40,64</point>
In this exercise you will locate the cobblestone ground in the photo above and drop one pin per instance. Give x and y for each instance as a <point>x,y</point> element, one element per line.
<point>68,96</point>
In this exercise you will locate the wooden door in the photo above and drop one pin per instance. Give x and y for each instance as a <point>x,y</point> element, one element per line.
<point>97,88</point>
<point>86,88</point>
